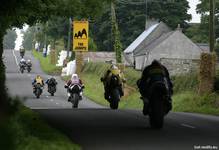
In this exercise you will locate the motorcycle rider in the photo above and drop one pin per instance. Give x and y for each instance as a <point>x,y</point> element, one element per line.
<point>29,63</point>
<point>22,62</point>
<point>51,81</point>
<point>114,70</point>
<point>75,80</point>
<point>22,51</point>
<point>37,80</point>
<point>154,72</point>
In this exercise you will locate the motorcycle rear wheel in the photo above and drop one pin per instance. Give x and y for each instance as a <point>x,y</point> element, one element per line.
<point>115,98</point>
<point>156,114</point>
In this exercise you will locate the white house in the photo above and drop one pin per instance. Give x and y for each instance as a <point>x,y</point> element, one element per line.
<point>176,51</point>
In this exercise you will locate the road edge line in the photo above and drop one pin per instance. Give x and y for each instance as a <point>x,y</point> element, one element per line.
<point>15,58</point>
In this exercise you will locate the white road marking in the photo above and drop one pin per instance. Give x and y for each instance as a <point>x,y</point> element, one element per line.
<point>57,103</point>
<point>188,126</point>
<point>47,96</point>
<point>15,58</point>
<point>51,99</point>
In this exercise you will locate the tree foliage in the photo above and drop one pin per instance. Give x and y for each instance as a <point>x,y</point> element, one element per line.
<point>9,39</point>
<point>28,38</point>
<point>14,13</point>
<point>201,32</point>
<point>131,20</point>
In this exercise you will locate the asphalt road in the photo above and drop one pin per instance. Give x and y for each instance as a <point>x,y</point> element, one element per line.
<point>20,85</point>
<point>98,128</point>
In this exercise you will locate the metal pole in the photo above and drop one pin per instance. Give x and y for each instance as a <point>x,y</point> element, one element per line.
<point>211,26</point>
<point>146,13</point>
<point>69,37</point>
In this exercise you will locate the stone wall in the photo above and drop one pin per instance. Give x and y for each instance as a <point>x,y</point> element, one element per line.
<point>180,66</point>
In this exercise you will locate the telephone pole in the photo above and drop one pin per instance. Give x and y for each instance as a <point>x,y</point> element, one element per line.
<point>211,25</point>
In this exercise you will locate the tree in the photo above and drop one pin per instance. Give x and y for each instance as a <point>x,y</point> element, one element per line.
<point>202,30</point>
<point>131,19</point>
<point>9,39</point>
<point>117,45</point>
<point>28,38</point>
<point>15,13</point>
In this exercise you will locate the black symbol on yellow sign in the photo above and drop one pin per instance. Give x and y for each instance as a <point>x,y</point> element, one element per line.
<point>81,34</point>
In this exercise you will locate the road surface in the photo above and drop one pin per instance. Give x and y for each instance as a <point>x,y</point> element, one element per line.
<point>97,128</point>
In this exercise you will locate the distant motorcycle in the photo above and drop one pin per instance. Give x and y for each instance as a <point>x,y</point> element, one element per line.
<point>22,54</point>
<point>51,86</point>
<point>22,68</point>
<point>38,90</point>
<point>28,67</point>
<point>156,105</point>
<point>74,91</point>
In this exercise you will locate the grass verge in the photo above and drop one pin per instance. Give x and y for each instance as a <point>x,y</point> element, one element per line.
<point>25,130</point>
<point>189,101</point>
<point>45,64</point>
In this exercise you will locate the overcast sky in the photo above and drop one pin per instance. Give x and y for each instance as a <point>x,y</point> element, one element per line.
<point>192,10</point>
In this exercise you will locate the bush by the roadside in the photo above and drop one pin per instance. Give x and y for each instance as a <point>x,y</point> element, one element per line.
<point>45,63</point>
<point>25,130</point>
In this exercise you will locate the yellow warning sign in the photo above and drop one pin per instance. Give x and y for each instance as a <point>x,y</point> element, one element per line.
<point>80,35</point>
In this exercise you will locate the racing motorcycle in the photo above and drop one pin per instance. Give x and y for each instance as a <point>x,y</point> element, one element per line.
<point>74,91</point>
<point>52,87</point>
<point>157,103</point>
<point>22,68</point>
<point>38,90</point>
<point>28,67</point>
<point>115,90</point>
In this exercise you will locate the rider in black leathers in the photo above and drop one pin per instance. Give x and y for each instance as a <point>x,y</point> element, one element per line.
<point>154,72</point>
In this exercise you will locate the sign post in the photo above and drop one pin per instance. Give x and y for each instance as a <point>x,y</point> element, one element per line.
<point>80,37</point>
<point>80,42</point>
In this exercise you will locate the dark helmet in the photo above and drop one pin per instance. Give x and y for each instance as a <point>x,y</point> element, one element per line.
<point>156,63</point>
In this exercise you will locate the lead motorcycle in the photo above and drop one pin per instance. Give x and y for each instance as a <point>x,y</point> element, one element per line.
<point>37,90</point>
<point>74,91</point>
<point>156,105</point>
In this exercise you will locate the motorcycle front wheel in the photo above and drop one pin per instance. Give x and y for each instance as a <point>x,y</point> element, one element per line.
<point>75,100</point>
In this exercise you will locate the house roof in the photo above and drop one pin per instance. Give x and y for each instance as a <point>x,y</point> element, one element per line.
<point>140,39</point>
<point>204,46</point>
<point>151,46</point>
<point>155,43</point>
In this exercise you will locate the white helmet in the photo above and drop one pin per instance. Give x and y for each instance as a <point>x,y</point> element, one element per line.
<point>28,61</point>
<point>114,67</point>
<point>74,76</point>
<point>22,60</point>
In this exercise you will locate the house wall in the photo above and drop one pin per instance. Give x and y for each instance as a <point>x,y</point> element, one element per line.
<point>180,66</point>
<point>139,62</point>
<point>128,59</point>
